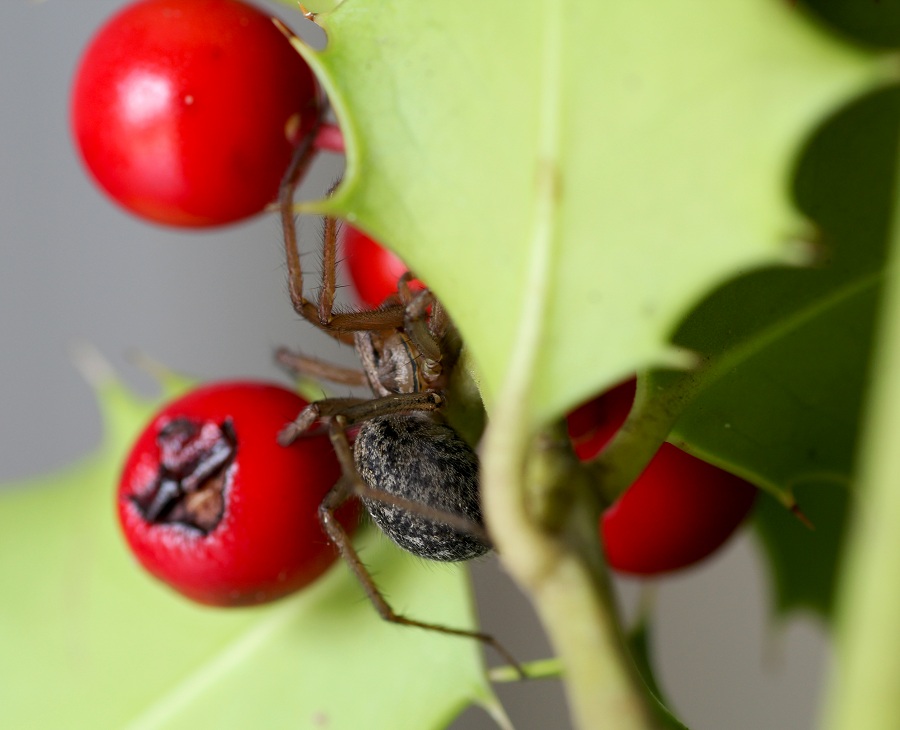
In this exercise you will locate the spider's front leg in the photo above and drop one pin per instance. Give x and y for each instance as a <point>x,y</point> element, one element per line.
<point>428,325</point>
<point>356,410</point>
<point>321,314</point>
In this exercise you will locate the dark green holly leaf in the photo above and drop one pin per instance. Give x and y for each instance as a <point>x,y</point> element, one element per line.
<point>783,404</point>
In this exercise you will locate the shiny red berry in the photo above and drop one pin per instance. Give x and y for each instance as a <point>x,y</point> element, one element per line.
<point>211,504</point>
<point>678,511</point>
<point>374,270</point>
<point>187,112</point>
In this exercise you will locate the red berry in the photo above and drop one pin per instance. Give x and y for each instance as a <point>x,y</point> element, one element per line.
<point>678,511</point>
<point>213,506</point>
<point>593,424</point>
<point>187,111</point>
<point>374,271</point>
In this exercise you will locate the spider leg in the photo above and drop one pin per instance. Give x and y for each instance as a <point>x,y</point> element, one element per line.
<point>366,351</point>
<point>428,400</point>
<point>355,410</point>
<point>301,365</point>
<point>415,321</point>
<point>329,267</point>
<point>439,323</point>
<point>428,326</point>
<point>314,412</point>
<point>349,484</point>
<point>322,315</point>
<point>300,163</point>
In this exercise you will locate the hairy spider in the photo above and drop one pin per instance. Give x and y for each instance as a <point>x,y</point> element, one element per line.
<point>415,475</point>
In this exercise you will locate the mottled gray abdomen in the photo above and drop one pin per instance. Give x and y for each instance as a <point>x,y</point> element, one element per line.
<point>413,457</point>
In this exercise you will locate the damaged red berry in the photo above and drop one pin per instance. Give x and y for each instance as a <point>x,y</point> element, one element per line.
<point>678,511</point>
<point>213,506</point>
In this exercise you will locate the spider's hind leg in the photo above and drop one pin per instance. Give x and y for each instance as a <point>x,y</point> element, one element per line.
<point>352,484</point>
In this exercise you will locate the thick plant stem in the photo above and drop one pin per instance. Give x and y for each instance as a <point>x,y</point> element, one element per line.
<point>868,639</point>
<point>601,678</point>
<point>545,527</point>
<point>603,687</point>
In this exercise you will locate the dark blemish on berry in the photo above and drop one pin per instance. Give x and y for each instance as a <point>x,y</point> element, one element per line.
<point>193,475</point>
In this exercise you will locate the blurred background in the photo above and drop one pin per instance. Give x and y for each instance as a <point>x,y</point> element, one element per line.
<point>75,268</point>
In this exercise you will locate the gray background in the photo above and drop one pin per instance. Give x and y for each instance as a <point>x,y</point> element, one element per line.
<point>74,267</point>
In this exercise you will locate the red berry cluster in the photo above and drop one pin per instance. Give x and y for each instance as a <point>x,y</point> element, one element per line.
<point>188,113</point>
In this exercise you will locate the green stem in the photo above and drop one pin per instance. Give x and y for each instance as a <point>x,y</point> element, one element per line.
<point>543,516</point>
<point>539,669</point>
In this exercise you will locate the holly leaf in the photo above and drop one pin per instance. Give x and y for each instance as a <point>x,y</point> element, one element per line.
<point>569,181</point>
<point>804,557</point>
<point>783,402</point>
<point>90,641</point>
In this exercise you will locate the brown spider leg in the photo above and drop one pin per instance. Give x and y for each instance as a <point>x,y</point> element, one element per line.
<point>349,484</point>
<point>415,322</point>
<point>404,293</point>
<point>336,324</point>
<point>302,365</point>
<point>313,412</point>
<point>417,305</point>
<point>424,401</point>
<point>299,165</point>
<point>438,323</point>
<point>329,268</point>
<point>365,348</point>
<point>355,410</point>
<point>428,331</point>
<point>329,263</point>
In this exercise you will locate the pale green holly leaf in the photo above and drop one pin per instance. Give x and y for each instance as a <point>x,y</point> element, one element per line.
<point>90,641</point>
<point>575,175</point>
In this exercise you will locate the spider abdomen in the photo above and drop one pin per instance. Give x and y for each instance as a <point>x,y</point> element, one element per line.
<point>418,459</point>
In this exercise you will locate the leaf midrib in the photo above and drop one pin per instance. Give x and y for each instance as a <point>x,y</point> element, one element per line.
<point>784,327</point>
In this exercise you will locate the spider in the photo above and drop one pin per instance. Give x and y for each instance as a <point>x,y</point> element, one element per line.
<point>415,475</point>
